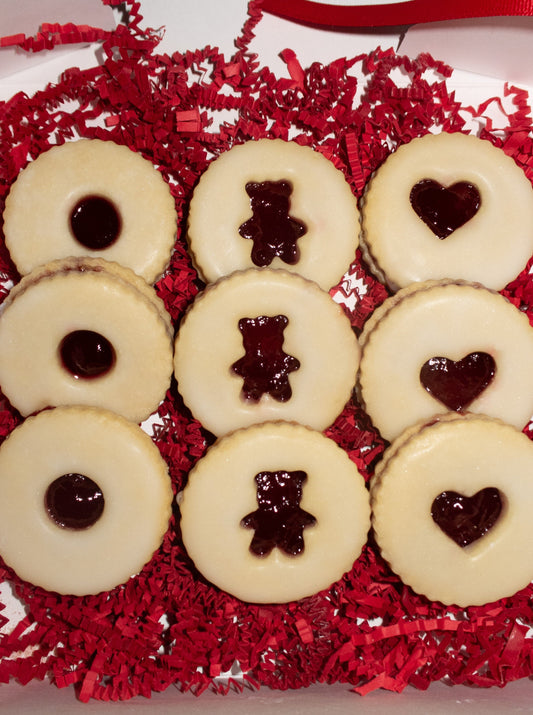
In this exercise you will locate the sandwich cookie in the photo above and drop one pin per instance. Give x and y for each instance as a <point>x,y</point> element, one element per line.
<point>86,332</point>
<point>446,206</point>
<point>445,346</point>
<point>274,513</point>
<point>273,203</point>
<point>91,198</point>
<point>264,345</point>
<point>451,509</point>
<point>85,500</point>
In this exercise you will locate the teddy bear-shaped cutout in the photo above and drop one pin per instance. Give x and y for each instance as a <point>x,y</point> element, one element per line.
<point>279,520</point>
<point>273,231</point>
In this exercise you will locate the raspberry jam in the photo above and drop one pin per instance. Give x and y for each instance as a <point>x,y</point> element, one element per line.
<point>466,519</point>
<point>74,501</point>
<point>86,354</point>
<point>279,521</point>
<point>272,230</point>
<point>457,384</point>
<point>95,222</point>
<point>444,208</point>
<point>265,367</point>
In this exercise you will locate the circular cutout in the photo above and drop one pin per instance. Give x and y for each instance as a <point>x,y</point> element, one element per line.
<point>85,500</point>
<point>274,513</point>
<point>74,501</point>
<point>86,354</point>
<point>276,204</point>
<point>91,197</point>
<point>298,361</point>
<point>95,222</point>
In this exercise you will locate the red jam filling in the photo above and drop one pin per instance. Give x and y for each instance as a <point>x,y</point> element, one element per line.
<point>466,519</point>
<point>265,367</point>
<point>444,208</point>
<point>74,501</point>
<point>272,230</point>
<point>457,384</point>
<point>86,354</point>
<point>279,521</point>
<point>95,222</point>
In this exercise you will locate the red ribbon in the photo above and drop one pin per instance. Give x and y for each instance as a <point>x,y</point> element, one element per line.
<point>400,13</point>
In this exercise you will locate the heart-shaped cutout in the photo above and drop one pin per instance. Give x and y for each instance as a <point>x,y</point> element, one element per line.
<point>444,208</point>
<point>466,519</point>
<point>457,383</point>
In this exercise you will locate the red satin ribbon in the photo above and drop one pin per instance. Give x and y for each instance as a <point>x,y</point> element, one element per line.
<point>401,13</point>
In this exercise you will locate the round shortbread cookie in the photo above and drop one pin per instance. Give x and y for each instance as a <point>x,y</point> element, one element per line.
<point>274,513</point>
<point>85,332</point>
<point>308,223</point>
<point>85,500</point>
<point>420,221</point>
<point>300,365</point>
<point>451,509</point>
<point>91,197</point>
<point>441,346</point>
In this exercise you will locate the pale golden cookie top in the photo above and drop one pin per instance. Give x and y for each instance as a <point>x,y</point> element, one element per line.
<point>236,542</point>
<point>85,500</point>
<point>474,466</point>
<point>261,345</point>
<point>79,331</point>
<point>441,346</point>
<point>273,203</point>
<point>448,205</point>
<point>95,198</point>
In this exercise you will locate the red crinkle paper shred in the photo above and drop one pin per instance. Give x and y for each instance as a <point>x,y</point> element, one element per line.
<point>167,626</point>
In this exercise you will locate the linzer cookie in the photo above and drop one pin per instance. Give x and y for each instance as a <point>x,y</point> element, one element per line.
<point>443,346</point>
<point>263,345</point>
<point>88,332</point>
<point>272,203</point>
<point>85,500</point>
<point>451,509</point>
<point>95,198</point>
<point>274,513</point>
<point>446,206</point>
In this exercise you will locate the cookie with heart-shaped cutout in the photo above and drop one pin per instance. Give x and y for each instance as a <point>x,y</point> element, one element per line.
<point>442,346</point>
<point>451,509</point>
<point>444,206</point>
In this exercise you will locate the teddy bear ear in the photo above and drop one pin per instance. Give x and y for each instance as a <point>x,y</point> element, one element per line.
<point>252,187</point>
